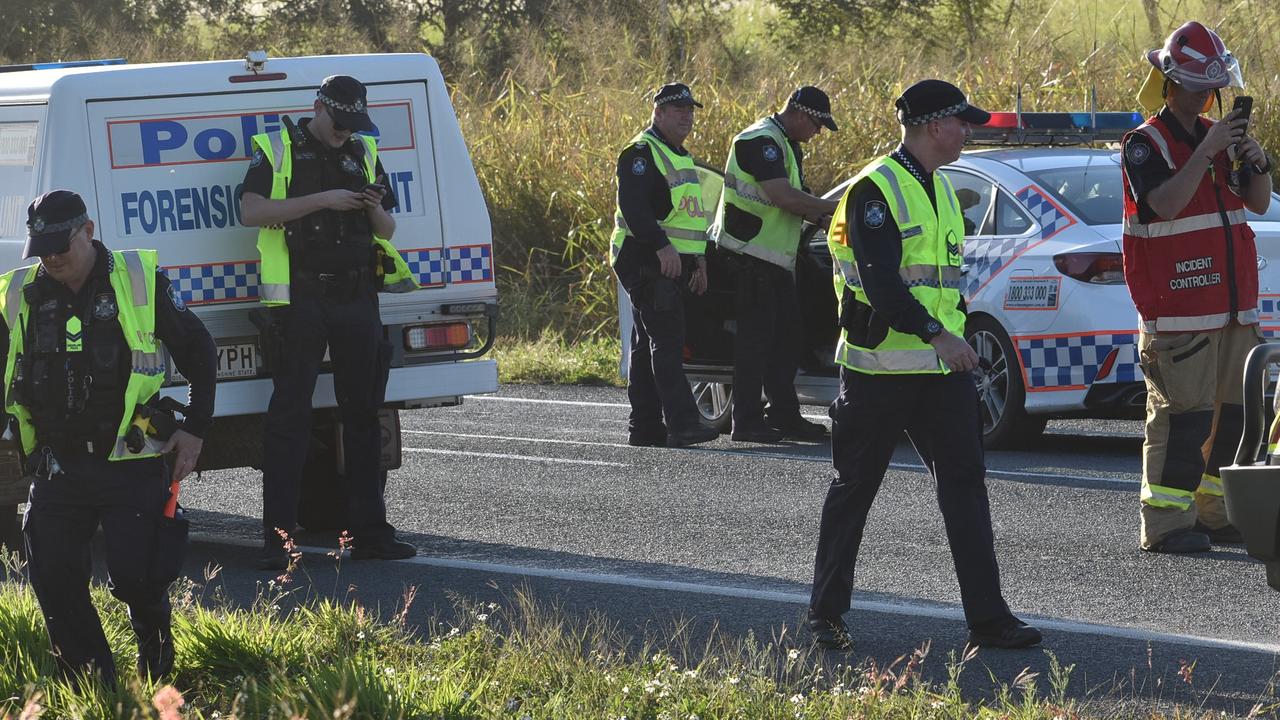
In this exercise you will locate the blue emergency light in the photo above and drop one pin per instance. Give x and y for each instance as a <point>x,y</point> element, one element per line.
<point>1054,128</point>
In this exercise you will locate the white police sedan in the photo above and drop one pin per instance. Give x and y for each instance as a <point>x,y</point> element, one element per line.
<point>1048,307</point>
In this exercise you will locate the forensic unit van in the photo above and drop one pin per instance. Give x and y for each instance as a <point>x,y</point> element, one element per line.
<point>159,151</point>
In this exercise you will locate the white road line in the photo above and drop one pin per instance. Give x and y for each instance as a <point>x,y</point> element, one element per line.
<point>893,608</point>
<point>585,403</point>
<point>1123,482</point>
<point>504,456</point>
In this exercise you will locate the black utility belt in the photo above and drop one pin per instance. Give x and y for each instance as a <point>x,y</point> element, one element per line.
<point>343,282</point>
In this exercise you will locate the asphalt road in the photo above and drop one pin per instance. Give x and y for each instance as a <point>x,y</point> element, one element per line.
<point>535,489</point>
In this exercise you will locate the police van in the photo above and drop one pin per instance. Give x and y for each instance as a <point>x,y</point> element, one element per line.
<point>158,152</point>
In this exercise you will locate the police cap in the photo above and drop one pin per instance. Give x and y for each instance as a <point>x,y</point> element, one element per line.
<point>675,93</point>
<point>814,103</point>
<point>930,100</point>
<point>346,99</point>
<point>51,218</point>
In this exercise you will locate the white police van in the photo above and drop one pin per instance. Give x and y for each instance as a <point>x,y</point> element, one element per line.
<point>159,151</point>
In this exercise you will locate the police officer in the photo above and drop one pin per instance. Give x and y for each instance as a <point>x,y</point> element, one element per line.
<point>318,193</point>
<point>758,222</point>
<point>84,330</point>
<point>1190,265</point>
<point>904,365</point>
<point>659,248</point>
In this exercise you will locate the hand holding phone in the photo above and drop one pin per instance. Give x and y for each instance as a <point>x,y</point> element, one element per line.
<point>375,187</point>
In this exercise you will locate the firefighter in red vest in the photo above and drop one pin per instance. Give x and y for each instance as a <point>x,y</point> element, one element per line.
<point>1191,266</point>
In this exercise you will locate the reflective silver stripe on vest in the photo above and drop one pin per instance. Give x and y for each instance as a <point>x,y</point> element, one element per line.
<point>274,293</point>
<point>13,297</point>
<point>1187,323</point>
<point>148,363</point>
<point>888,360</point>
<point>677,233</point>
<point>849,272</point>
<point>1178,226</point>
<point>137,278</point>
<point>782,260</point>
<point>927,276</point>
<point>675,178</point>
<point>402,286</point>
<point>903,216</point>
<point>746,190</point>
<point>277,152</point>
<point>1151,132</point>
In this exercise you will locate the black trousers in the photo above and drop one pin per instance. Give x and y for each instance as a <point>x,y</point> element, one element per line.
<point>767,343</point>
<point>127,499</point>
<point>351,328</point>
<point>656,385</point>
<point>940,416</point>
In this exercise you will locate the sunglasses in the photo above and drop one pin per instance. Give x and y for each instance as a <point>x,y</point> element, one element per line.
<point>336,124</point>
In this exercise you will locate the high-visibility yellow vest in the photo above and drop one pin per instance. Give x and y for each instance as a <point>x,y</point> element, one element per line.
<point>932,252</point>
<point>273,273</point>
<point>779,235</point>
<point>686,224</point>
<point>133,277</point>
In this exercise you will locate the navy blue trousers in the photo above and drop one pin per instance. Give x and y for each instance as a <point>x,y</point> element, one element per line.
<point>940,415</point>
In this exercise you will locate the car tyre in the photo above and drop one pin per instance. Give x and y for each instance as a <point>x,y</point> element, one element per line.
<point>715,403</point>
<point>1002,396</point>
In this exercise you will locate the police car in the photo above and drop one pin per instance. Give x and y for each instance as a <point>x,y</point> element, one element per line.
<point>1048,307</point>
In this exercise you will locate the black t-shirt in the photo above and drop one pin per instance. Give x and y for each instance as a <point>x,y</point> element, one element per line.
<point>1146,168</point>
<point>877,248</point>
<point>184,336</point>
<point>317,168</point>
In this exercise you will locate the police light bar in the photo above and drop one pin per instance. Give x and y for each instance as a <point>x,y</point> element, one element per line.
<point>1054,128</point>
<point>59,65</point>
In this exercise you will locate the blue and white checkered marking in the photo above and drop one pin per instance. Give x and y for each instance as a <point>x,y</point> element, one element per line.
<point>1074,360</point>
<point>216,283</point>
<point>426,265</point>
<point>986,258</point>
<point>238,281</point>
<point>472,263</point>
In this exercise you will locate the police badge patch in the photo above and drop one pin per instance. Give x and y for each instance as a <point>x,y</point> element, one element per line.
<point>104,307</point>
<point>873,214</point>
<point>349,166</point>
<point>638,166</point>
<point>176,298</point>
<point>1138,152</point>
<point>770,153</point>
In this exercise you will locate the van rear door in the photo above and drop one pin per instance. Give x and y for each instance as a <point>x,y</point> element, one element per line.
<point>20,136</point>
<point>168,172</point>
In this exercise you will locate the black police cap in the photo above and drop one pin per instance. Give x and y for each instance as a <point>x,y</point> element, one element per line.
<point>677,94</point>
<point>347,99</point>
<point>930,100</point>
<point>51,218</point>
<point>815,103</point>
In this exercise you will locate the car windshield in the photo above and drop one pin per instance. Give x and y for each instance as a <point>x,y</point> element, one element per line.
<point>1095,194</point>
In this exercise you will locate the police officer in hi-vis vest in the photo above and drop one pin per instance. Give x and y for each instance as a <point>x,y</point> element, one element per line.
<point>758,221</point>
<point>896,240</point>
<point>1191,267</point>
<point>658,250</point>
<point>83,361</point>
<point>319,195</point>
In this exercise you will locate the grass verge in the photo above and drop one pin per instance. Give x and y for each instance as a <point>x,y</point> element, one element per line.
<point>552,358</point>
<point>329,658</point>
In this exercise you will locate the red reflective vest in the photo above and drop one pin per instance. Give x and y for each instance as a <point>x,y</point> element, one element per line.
<point>1194,271</point>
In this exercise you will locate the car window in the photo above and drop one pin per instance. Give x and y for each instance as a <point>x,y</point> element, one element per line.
<point>975,194</point>
<point>1093,192</point>
<point>1011,219</point>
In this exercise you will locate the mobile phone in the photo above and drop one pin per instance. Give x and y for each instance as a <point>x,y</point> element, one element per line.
<point>375,187</point>
<point>1243,103</point>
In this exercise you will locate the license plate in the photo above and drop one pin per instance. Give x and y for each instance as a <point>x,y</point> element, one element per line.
<point>235,360</point>
<point>240,360</point>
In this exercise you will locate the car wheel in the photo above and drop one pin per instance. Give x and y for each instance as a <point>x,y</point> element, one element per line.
<point>1001,395</point>
<point>715,403</point>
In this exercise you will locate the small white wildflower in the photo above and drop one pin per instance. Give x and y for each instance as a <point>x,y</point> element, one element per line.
<point>626,690</point>
<point>792,654</point>
<point>733,680</point>
<point>691,674</point>
<point>492,606</point>
<point>797,698</point>
<point>693,716</point>
<point>481,617</point>
<point>453,632</point>
<point>388,671</point>
<point>360,635</point>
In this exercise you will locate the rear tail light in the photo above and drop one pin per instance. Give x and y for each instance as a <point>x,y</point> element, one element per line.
<point>1092,267</point>
<point>441,336</point>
